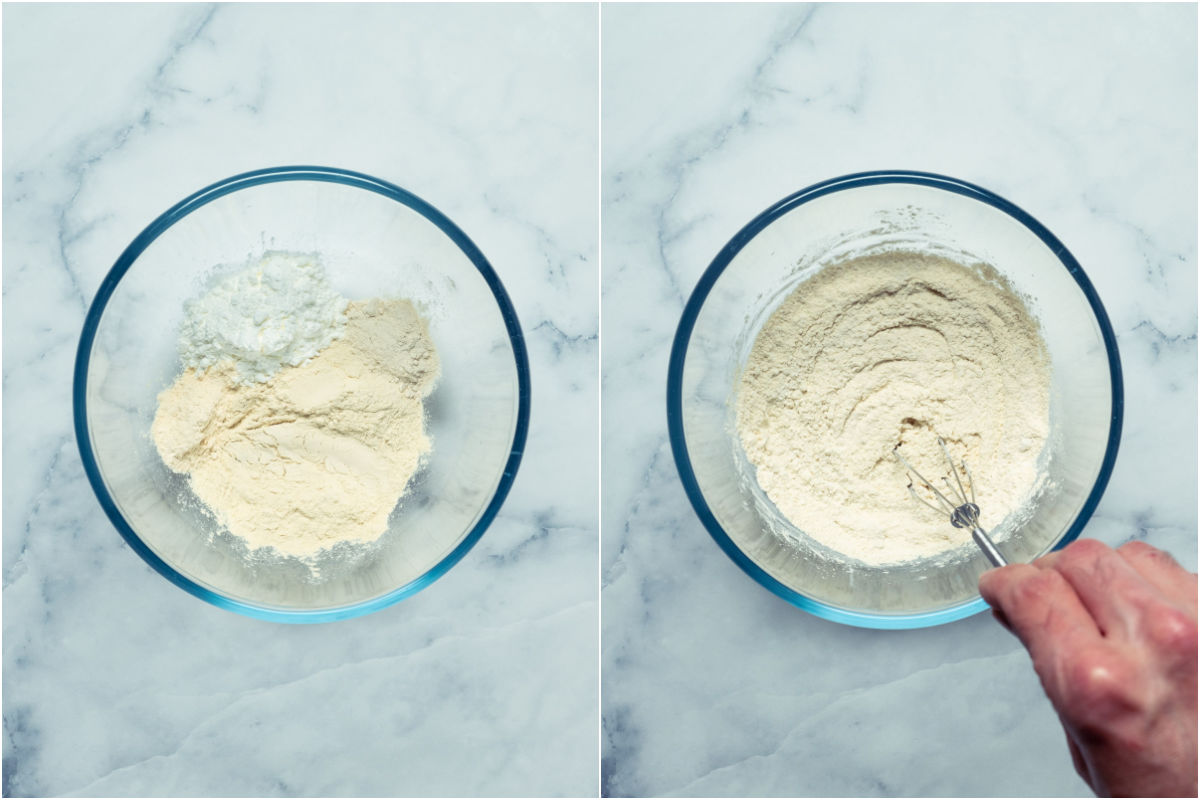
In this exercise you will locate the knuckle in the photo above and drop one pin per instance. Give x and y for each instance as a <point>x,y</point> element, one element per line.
<point>1082,550</point>
<point>1034,584</point>
<point>1174,631</point>
<point>1141,551</point>
<point>1026,593</point>
<point>1003,586</point>
<point>1100,688</point>
<point>1138,548</point>
<point>1038,588</point>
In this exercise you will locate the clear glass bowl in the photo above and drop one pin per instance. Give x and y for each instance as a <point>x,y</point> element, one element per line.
<point>376,240</point>
<point>787,243</point>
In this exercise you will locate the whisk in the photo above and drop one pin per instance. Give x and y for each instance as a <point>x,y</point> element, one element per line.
<point>964,513</point>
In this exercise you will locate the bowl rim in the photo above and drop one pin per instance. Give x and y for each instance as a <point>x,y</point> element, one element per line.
<point>196,201</point>
<point>696,301</point>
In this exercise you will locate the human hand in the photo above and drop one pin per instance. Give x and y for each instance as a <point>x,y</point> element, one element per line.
<point>1112,635</point>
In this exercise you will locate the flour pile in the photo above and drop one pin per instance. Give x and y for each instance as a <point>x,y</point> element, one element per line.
<point>299,418</point>
<point>889,349</point>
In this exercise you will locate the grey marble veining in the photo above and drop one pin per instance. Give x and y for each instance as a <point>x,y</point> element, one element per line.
<point>1084,115</point>
<point>116,682</point>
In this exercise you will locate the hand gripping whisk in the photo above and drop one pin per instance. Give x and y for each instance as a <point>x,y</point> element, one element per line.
<point>963,512</point>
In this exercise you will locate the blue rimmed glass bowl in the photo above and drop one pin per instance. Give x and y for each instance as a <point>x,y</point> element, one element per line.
<point>376,240</point>
<point>789,242</point>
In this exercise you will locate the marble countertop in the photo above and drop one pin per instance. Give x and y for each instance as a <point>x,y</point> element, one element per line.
<point>116,682</point>
<point>1083,115</point>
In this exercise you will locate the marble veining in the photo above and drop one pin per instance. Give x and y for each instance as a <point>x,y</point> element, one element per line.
<point>117,683</point>
<point>1085,117</point>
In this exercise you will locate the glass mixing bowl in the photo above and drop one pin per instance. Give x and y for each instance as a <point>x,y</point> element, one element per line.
<point>375,240</point>
<point>865,213</point>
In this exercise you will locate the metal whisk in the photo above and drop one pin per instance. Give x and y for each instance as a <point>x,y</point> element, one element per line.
<point>963,511</point>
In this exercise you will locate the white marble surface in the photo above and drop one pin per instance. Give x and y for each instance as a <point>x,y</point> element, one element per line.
<point>1083,115</point>
<point>116,682</point>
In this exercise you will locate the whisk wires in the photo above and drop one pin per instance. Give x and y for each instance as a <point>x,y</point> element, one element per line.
<point>962,509</point>
<point>960,505</point>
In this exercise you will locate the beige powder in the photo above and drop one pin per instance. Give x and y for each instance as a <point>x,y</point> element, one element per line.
<point>321,452</point>
<point>885,350</point>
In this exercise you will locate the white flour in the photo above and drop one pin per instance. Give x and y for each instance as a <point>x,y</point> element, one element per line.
<point>884,350</point>
<point>278,311</point>
<point>314,454</point>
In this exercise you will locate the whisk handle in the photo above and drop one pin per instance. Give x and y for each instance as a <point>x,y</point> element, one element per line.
<point>988,547</point>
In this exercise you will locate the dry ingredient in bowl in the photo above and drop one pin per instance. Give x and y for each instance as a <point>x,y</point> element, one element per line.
<point>888,349</point>
<point>279,311</point>
<point>299,417</point>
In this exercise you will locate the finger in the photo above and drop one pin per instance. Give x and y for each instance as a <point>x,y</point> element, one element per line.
<point>1081,768</point>
<point>1044,612</point>
<point>1112,591</point>
<point>1047,561</point>
<point>1163,572</point>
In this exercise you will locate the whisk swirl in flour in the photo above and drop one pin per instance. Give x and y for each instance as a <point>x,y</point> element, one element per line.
<point>869,352</point>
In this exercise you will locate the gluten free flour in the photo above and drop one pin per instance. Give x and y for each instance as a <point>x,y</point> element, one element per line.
<point>299,417</point>
<point>887,349</point>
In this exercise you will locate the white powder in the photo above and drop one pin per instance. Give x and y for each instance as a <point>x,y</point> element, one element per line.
<point>885,350</point>
<point>311,455</point>
<point>277,311</point>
